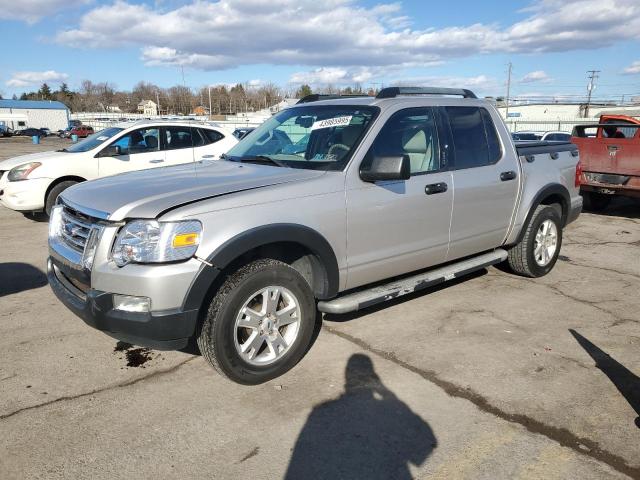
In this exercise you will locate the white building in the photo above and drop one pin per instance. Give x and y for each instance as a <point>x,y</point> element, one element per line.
<point>148,107</point>
<point>19,114</point>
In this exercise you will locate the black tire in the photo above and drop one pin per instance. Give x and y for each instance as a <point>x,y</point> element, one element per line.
<point>521,258</point>
<point>53,194</point>
<point>595,202</point>
<point>216,338</point>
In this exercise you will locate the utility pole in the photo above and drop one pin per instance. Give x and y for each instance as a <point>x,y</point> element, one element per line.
<point>593,76</point>
<point>510,65</point>
<point>210,112</point>
<point>158,102</point>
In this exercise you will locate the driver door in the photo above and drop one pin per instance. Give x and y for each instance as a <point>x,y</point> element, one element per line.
<point>139,149</point>
<point>395,227</point>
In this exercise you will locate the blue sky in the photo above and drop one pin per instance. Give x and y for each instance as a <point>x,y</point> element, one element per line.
<point>551,43</point>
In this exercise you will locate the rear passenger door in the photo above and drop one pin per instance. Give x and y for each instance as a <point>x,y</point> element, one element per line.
<point>486,178</point>
<point>395,227</point>
<point>180,142</point>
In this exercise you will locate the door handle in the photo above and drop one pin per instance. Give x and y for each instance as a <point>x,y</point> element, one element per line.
<point>613,148</point>
<point>159,160</point>
<point>510,175</point>
<point>208,156</point>
<point>435,188</point>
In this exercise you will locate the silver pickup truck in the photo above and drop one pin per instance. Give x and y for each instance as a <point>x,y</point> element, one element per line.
<point>333,205</point>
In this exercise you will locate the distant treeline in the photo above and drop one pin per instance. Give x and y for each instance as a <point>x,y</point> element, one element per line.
<point>179,99</point>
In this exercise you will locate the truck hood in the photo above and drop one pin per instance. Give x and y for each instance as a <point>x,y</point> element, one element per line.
<point>9,163</point>
<point>149,193</point>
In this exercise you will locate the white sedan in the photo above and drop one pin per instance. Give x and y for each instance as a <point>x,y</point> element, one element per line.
<point>33,182</point>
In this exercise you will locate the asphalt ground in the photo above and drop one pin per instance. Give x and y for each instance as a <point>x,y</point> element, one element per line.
<point>493,376</point>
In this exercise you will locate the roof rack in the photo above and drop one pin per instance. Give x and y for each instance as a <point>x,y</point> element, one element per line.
<point>315,97</point>
<point>391,92</point>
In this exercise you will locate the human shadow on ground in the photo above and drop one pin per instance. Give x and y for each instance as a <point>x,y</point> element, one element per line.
<point>367,433</point>
<point>17,277</point>
<point>627,383</point>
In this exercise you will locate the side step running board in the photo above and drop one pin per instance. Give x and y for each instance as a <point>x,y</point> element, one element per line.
<point>365,298</point>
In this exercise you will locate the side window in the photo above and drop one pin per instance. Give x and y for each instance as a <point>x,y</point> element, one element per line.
<point>410,132</point>
<point>182,137</point>
<point>210,136</point>
<point>470,140</point>
<point>139,141</point>
<point>495,150</point>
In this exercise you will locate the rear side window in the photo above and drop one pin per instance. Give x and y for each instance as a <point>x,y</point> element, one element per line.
<point>475,138</point>
<point>182,137</point>
<point>210,136</point>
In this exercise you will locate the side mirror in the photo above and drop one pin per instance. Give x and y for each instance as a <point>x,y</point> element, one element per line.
<point>396,167</point>
<point>111,151</point>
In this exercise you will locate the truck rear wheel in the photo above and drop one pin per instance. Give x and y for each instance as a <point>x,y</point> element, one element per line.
<point>537,252</point>
<point>260,323</point>
<point>595,202</point>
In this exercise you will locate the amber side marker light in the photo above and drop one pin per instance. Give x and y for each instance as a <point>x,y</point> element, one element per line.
<point>185,240</point>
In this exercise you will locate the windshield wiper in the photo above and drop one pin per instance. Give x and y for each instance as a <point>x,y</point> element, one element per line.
<point>263,159</point>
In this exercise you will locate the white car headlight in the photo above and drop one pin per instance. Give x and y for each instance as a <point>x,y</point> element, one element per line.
<point>21,172</point>
<point>150,241</point>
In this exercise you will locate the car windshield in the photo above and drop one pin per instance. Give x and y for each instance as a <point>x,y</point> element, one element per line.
<point>92,141</point>
<point>308,137</point>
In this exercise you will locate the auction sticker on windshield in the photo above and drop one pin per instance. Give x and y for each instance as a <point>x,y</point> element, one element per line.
<point>332,122</point>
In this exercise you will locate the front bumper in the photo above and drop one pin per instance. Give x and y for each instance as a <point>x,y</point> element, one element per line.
<point>26,195</point>
<point>165,330</point>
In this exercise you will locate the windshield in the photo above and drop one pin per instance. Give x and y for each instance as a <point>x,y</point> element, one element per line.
<point>92,141</point>
<point>309,137</point>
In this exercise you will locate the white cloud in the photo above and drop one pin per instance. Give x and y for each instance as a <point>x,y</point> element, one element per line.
<point>535,76</point>
<point>632,69</point>
<point>27,79</point>
<point>339,33</point>
<point>31,11</point>
<point>335,76</point>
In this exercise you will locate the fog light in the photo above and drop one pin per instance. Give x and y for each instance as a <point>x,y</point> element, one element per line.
<point>127,303</point>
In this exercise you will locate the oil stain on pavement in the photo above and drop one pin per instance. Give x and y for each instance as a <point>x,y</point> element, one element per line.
<point>136,356</point>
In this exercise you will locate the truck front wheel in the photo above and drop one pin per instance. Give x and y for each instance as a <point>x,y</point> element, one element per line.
<point>537,252</point>
<point>260,323</point>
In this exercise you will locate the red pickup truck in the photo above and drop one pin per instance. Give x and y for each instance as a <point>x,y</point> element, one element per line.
<point>610,157</point>
<point>81,131</point>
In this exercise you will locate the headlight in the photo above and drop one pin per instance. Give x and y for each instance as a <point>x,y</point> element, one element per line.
<point>21,172</point>
<point>150,241</point>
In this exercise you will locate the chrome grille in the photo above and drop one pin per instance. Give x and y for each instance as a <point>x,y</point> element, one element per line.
<point>76,228</point>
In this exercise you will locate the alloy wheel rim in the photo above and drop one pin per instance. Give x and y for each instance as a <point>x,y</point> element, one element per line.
<point>267,325</point>
<point>546,243</point>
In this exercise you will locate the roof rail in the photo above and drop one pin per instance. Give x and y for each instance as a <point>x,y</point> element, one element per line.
<point>315,97</point>
<point>391,92</point>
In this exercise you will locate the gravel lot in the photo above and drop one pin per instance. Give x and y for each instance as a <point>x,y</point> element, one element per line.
<point>493,377</point>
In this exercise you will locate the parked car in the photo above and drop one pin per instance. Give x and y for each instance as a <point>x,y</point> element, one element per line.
<point>46,131</point>
<point>6,131</point>
<point>392,194</point>
<point>610,153</point>
<point>526,136</point>
<point>30,132</point>
<point>240,133</point>
<point>82,131</point>
<point>33,182</point>
<point>556,137</point>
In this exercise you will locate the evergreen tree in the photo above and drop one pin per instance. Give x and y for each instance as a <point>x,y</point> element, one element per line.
<point>303,91</point>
